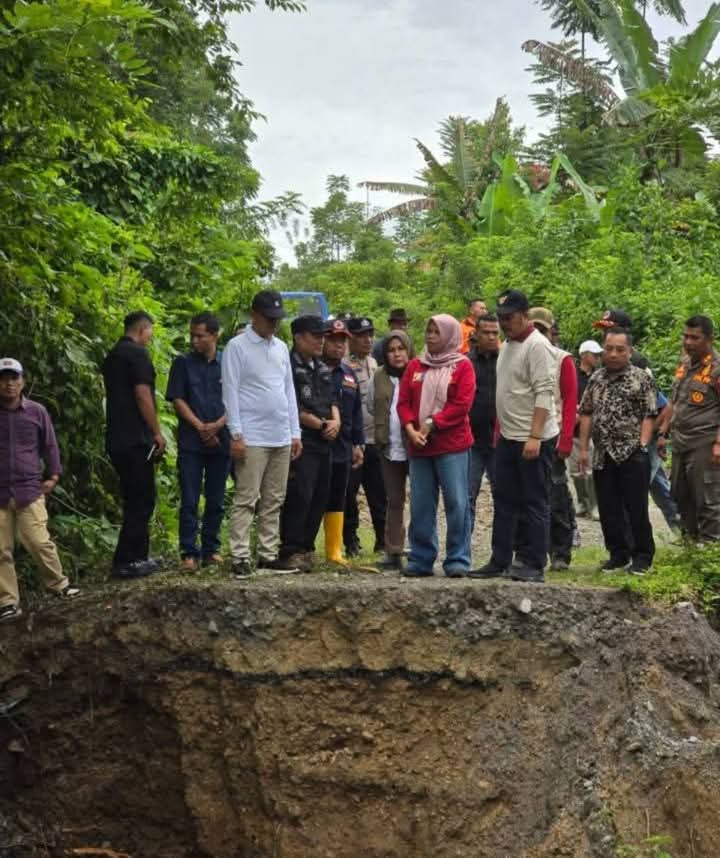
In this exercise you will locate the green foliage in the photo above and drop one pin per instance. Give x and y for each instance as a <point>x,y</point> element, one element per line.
<point>656,846</point>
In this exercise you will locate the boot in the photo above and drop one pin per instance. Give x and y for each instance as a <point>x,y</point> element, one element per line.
<point>333,522</point>
<point>581,491</point>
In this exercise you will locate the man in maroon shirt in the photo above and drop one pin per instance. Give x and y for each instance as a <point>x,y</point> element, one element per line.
<point>27,440</point>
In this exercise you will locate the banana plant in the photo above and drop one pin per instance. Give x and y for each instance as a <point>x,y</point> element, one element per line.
<point>679,96</point>
<point>505,197</point>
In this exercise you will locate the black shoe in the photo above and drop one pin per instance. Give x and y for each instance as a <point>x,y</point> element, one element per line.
<point>392,561</point>
<point>242,569</point>
<point>136,569</point>
<point>637,568</point>
<point>379,547</point>
<point>489,570</point>
<point>416,573</point>
<point>613,566</point>
<point>277,567</point>
<point>10,612</point>
<point>352,550</point>
<point>527,574</point>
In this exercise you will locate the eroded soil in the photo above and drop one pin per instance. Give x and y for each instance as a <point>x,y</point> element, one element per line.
<point>358,716</point>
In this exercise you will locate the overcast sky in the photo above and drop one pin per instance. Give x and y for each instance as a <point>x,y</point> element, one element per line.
<point>347,85</point>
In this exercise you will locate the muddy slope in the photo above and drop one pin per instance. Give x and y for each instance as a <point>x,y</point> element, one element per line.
<point>369,718</point>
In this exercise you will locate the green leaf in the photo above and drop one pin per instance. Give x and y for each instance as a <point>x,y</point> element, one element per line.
<point>688,54</point>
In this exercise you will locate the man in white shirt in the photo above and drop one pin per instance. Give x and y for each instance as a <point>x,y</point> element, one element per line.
<point>262,417</point>
<point>525,405</point>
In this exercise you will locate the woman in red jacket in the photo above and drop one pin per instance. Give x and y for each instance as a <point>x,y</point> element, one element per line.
<point>436,393</point>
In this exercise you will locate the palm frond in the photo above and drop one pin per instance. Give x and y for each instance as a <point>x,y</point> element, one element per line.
<point>409,207</point>
<point>394,187</point>
<point>582,74</point>
<point>688,54</point>
<point>497,118</point>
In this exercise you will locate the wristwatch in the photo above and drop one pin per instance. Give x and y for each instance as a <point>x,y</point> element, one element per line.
<point>236,436</point>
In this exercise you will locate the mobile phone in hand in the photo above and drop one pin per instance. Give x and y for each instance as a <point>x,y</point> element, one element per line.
<point>151,454</point>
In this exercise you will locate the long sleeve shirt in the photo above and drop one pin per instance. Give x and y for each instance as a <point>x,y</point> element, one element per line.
<point>27,442</point>
<point>526,378</point>
<point>258,391</point>
<point>568,388</point>
<point>451,432</point>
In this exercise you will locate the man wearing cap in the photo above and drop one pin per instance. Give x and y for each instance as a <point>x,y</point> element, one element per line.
<point>525,402</point>
<point>397,321</point>
<point>347,449</point>
<point>27,443</point>
<point>562,510</point>
<point>589,353</point>
<point>476,308</point>
<point>195,390</point>
<point>694,421</point>
<point>620,319</point>
<point>262,418</point>
<point>133,441</point>
<point>369,474</point>
<point>309,481</point>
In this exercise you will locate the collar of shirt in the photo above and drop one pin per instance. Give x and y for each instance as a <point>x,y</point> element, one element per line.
<point>20,405</point>
<point>254,337</point>
<point>298,358</point>
<point>524,335</point>
<point>203,359</point>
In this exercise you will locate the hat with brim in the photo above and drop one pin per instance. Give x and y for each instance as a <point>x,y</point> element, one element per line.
<point>543,317</point>
<point>8,364</point>
<point>511,301</point>
<point>361,325</point>
<point>336,328</point>
<point>269,304</point>
<point>614,319</point>
<point>591,346</point>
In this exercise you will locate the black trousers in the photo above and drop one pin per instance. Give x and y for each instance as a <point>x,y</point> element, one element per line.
<point>339,476</point>
<point>622,496</point>
<point>562,514</point>
<point>305,502</point>
<point>137,488</point>
<point>522,504</point>
<point>369,476</point>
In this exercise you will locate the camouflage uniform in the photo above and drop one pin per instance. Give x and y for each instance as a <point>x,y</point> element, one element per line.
<point>694,430</point>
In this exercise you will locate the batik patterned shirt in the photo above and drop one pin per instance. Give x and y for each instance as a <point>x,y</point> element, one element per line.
<point>618,403</point>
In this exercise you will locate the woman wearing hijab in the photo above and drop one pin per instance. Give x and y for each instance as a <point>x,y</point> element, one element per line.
<point>390,440</point>
<point>436,394</point>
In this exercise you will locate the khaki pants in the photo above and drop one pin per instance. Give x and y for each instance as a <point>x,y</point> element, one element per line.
<point>30,523</point>
<point>260,480</point>
<point>395,478</point>
<point>696,491</point>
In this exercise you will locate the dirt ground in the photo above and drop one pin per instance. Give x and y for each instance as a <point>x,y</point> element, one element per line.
<point>342,715</point>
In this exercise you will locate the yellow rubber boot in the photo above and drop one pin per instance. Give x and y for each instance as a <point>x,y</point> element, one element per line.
<point>333,537</point>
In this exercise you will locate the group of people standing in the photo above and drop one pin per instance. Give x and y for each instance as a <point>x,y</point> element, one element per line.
<point>301,430</point>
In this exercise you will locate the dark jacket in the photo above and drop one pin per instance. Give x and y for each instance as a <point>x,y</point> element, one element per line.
<point>482,413</point>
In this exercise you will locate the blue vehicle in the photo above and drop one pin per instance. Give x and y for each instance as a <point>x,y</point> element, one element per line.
<point>305,304</point>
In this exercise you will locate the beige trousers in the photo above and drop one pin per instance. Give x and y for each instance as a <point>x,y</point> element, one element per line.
<point>30,524</point>
<point>260,481</point>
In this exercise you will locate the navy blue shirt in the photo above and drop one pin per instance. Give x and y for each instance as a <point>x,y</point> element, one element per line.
<point>198,381</point>
<point>347,392</point>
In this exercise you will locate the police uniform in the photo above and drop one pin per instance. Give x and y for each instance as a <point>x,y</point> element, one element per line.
<point>696,418</point>
<point>369,475</point>
<point>347,393</point>
<point>309,479</point>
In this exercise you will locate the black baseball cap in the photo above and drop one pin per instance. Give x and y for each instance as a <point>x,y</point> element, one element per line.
<point>269,304</point>
<point>511,301</point>
<point>361,325</point>
<point>308,325</point>
<point>614,319</point>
